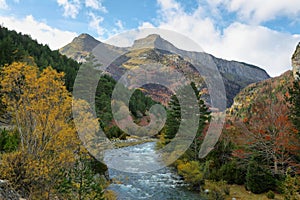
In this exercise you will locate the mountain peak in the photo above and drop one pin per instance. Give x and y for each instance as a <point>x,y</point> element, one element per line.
<point>153,41</point>
<point>153,36</point>
<point>83,35</point>
<point>86,40</point>
<point>80,47</point>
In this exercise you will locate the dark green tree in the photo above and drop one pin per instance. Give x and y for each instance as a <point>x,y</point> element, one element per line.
<point>18,47</point>
<point>173,118</point>
<point>82,182</point>
<point>204,118</point>
<point>258,178</point>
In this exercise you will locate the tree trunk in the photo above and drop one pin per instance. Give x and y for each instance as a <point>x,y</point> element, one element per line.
<point>275,166</point>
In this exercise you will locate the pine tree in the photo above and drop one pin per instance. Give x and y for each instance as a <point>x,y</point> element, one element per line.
<point>204,118</point>
<point>173,118</point>
<point>81,182</point>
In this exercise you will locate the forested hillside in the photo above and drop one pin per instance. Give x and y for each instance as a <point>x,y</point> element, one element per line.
<point>259,146</point>
<point>18,47</point>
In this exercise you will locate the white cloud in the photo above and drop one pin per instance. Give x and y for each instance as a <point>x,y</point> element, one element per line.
<point>269,49</point>
<point>45,34</point>
<point>3,5</point>
<point>254,44</point>
<point>117,30</point>
<point>169,5</point>
<point>95,4</point>
<point>95,24</point>
<point>201,28</point>
<point>71,7</point>
<point>257,11</point>
<point>120,25</point>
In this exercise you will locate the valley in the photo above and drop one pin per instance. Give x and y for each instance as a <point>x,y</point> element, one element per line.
<point>60,146</point>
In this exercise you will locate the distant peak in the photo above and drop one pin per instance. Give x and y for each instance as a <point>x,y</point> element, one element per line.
<point>153,41</point>
<point>84,36</point>
<point>154,36</point>
<point>149,38</point>
<point>82,43</point>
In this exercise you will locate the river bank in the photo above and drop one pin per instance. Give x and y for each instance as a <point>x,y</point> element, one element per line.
<point>132,141</point>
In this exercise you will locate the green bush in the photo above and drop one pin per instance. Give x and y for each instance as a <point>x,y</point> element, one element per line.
<point>232,173</point>
<point>216,194</point>
<point>9,141</point>
<point>259,179</point>
<point>291,186</point>
<point>271,195</point>
<point>115,132</point>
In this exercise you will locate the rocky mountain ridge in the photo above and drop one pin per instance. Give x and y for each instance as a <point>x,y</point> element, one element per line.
<point>153,49</point>
<point>296,60</point>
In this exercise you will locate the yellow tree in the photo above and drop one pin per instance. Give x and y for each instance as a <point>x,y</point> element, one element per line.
<point>40,106</point>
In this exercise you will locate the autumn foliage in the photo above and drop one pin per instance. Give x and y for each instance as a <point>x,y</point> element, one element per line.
<point>40,108</point>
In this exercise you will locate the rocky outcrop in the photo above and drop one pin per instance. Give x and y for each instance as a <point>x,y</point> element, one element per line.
<point>6,193</point>
<point>296,60</point>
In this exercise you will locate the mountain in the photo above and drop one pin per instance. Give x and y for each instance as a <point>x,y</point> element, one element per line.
<point>82,46</point>
<point>153,49</point>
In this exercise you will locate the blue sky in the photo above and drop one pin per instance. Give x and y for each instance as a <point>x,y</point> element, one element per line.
<point>264,33</point>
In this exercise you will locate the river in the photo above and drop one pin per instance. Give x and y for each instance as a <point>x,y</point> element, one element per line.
<point>161,184</point>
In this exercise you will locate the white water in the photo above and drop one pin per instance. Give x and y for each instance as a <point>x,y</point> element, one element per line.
<point>157,185</point>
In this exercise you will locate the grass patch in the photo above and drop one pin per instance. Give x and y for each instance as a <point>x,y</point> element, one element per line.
<point>235,191</point>
<point>240,193</point>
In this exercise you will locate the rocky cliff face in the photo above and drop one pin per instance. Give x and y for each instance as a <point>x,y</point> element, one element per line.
<point>155,50</point>
<point>296,60</point>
